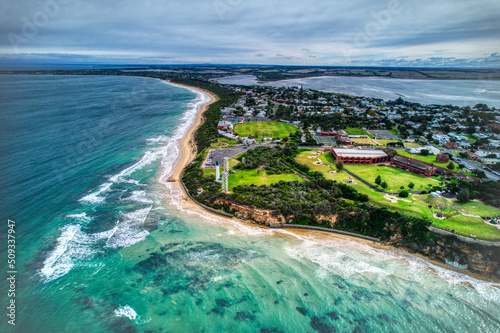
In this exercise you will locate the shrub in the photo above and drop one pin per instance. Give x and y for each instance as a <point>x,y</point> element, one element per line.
<point>463,196</point>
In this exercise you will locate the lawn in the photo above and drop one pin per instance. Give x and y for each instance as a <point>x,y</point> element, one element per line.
<point>394,177</point>
<point>416,205</point>
<point>384,142</point>
<point>453,206</point>
<point>467,226</point>
<point>365,142</point>
<point>412,145</point>
<point>328,165</point>
<point>394,131</point>
<point>265,129</point>
<point>428,159</point>
<point>355,131</point>
<point>470,138</point>
<point>256,177</point>
<point>221,142</point>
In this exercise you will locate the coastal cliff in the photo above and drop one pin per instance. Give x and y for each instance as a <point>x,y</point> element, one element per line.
<point>476,257</point>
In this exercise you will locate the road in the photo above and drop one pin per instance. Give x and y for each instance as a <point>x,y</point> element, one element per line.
<point>473,165</point>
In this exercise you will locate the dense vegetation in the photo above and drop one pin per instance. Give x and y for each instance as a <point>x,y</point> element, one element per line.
<point>316,201</point>
<point>488,192</point>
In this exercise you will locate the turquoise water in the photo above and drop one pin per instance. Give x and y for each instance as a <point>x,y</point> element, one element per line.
<point>83,167</point>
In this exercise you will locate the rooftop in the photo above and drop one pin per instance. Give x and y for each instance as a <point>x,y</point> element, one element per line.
<point>412,162</point>
<point>359,152</point>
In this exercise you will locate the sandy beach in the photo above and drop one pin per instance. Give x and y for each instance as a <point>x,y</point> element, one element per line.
<point>188,153</point>
<point>188,148</point>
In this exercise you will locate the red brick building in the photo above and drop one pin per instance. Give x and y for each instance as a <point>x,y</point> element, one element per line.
<point>450,145</point>
<point>414,166</point>
<point>359,156</point>
<point>443,158</point>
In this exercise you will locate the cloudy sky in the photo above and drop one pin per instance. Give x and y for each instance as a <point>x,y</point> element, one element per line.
<point>287,32</point>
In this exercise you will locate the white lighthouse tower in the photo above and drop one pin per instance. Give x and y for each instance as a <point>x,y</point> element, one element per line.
<point>217,171</point>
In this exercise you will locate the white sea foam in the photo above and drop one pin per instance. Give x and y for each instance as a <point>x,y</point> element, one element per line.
<point>129,230</point>
<point>350,259</point>
<point>159,138</point>
<point>167,153</point>
<point>82,217</point>
<point>73,245</point>
<point>126,311</point>
<point>76,246</point>
<point>140,197</point>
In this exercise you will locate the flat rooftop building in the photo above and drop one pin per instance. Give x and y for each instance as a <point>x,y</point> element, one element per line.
<point>359,156</point>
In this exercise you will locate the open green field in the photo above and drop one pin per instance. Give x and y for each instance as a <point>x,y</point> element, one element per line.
<point>428,159</point>
<point>412,145</point>
<point>256,177</point>
<point>328,165</point>
<point>417,205</point>
<point>357,131</point>
<point>394,177</point>
<point>394,131</point>
<point>470,138</point>
<point>263,129</point>
<point>384,142</point>
<point>224,143</point>
<point>364,142</point>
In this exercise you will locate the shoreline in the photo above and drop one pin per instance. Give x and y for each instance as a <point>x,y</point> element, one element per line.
<point>187,146</point>
<point>188,153</point>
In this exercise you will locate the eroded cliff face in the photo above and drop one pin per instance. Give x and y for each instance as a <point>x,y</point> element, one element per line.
<point>477,258</point>
<point>260,216</point>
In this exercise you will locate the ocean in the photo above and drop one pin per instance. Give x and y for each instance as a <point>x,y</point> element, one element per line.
<point>103,243</point>
<point>443,92</point>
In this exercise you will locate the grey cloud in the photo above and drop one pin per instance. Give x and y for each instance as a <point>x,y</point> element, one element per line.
<point>227,31</point>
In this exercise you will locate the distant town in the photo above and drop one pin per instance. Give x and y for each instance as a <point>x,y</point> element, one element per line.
<point>469,136</point>
<point>436,162</point>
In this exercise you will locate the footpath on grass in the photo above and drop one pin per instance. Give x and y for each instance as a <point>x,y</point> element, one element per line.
<point>373,187</point>
<point>463,238</point>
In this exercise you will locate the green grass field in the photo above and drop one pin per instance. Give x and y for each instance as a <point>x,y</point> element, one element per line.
<point>394,177</point>
<point>412,145</point>
<point>326,158</point>
<point>224,143</point>
<point>265,129</point>
<point>384,142</point>
<point>416,205</point>
<point>365,142</point>
<point>428,159</point>
<point>254,177</point>
<point>355,131</point>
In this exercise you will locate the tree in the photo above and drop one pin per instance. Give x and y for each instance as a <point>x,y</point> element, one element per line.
<point>411,185</point>
<point>451,166</point>
<point>340,165</point>
<point>463,196</point>
<point>384,185</point>
<point>378,180</point>
<point>479,173</point>
<point>424,152</point>
<point>404,194</point>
